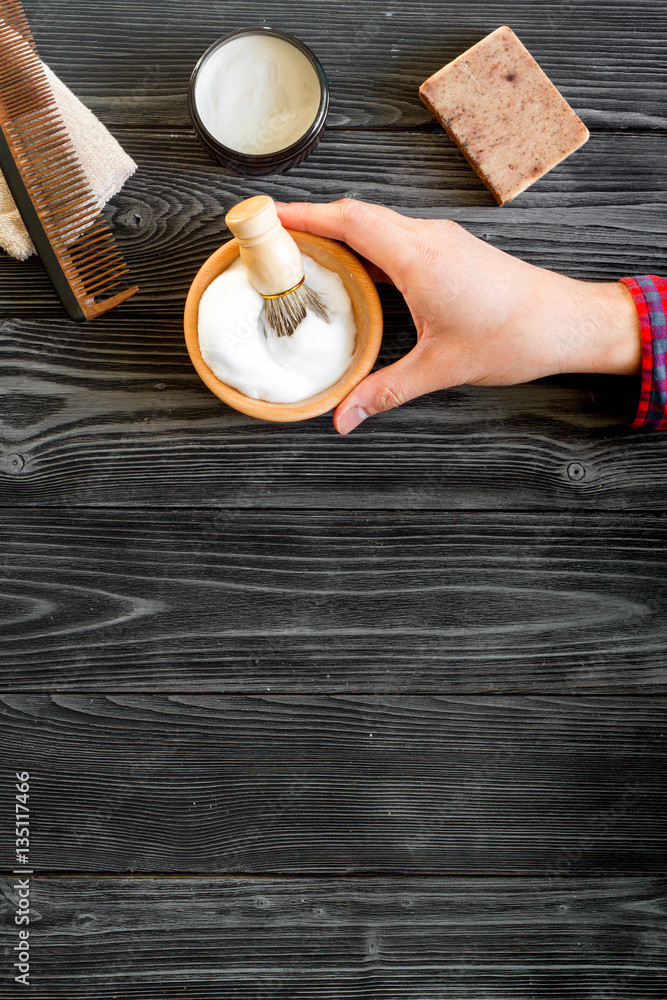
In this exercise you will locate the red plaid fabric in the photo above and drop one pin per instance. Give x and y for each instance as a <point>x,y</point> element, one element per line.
<point>650,295</point>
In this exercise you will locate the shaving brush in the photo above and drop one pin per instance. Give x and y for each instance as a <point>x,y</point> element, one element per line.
<point>274,267</point>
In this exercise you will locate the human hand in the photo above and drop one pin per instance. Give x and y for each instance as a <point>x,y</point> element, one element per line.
<point>482,316</point>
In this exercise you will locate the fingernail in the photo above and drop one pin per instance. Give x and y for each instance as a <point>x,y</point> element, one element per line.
<point>279,204</point>
<point>351,419</point>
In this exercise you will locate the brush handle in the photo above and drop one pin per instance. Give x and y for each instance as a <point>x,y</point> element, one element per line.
<point>270,256</point>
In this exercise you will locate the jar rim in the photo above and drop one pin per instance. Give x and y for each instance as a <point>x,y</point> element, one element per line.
<point>285,152</point>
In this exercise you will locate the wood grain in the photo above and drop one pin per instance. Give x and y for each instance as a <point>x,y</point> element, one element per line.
<point>131,64</point>
<point>318,938</point>
<point>129,783</point>
<point>599,215</point>
<point>291,602</point>
<point>465,706</point>
<point>115,413</point>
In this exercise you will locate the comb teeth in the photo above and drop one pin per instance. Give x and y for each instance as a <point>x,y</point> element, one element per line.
<point>50,175</point>
<point>15,21</point>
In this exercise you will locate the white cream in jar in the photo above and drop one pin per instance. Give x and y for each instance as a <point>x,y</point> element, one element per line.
<point>276,369</point>
<point>257,94</point>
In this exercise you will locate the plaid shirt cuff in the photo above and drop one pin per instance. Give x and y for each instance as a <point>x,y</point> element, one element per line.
<point>650,295</point>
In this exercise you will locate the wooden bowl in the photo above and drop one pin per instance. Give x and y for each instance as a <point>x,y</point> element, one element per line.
<point>367,314</point>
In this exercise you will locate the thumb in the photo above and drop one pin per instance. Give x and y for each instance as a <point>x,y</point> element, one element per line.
<point>383,390</point>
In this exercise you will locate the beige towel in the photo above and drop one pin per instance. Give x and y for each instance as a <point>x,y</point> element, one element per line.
<point>105,163</point>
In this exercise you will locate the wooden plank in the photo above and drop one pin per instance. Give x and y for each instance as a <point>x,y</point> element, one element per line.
<point>339,785</point>
<point>318,938</point>
<point>131,64</point>
<point>114,413</point>
<point>599,215</point>
<point>230,601</point>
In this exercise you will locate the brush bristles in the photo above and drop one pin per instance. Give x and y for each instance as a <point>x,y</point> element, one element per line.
<point>50,169</point>
<point>283,314</point>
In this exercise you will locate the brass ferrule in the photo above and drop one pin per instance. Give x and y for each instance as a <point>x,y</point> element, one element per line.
<point>288,292</point>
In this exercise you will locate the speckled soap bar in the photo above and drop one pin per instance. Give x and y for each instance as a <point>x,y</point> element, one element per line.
<point>504,114</point>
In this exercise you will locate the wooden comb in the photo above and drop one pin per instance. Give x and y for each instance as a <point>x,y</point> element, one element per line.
<point>47,181</point>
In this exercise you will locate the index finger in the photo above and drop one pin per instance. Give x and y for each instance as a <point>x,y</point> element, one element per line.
<point>376,232</point>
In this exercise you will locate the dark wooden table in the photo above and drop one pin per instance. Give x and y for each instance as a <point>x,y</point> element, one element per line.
<point>309,716</point>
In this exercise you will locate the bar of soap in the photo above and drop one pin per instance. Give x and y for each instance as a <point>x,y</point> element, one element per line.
<point>504,114</point>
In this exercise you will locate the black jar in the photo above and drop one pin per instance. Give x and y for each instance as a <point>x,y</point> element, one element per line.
<point>262,163</point>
